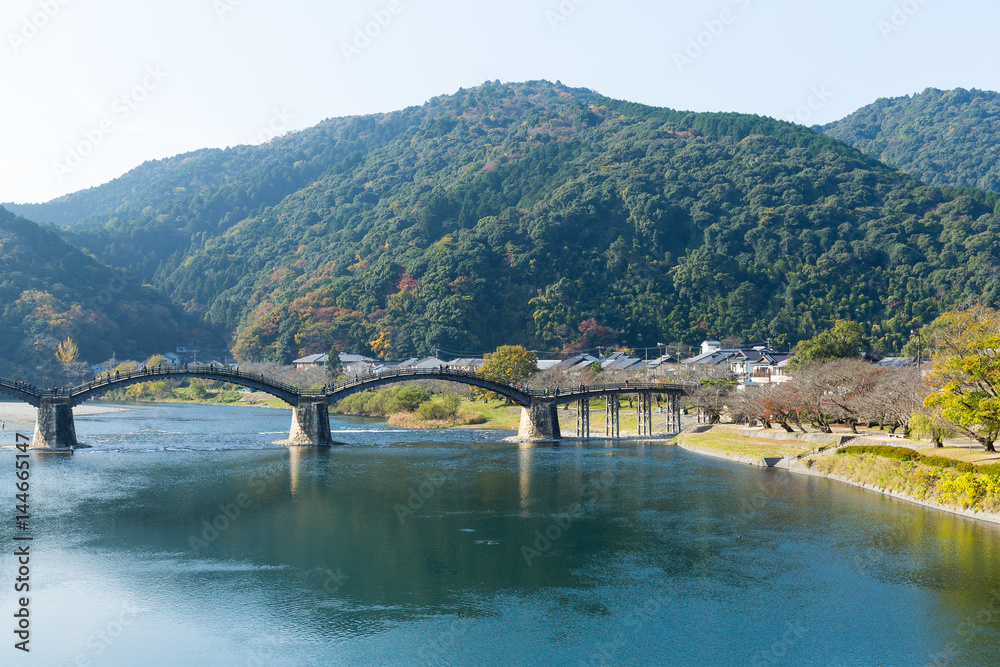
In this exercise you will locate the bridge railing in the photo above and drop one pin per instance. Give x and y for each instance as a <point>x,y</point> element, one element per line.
<point>17,385</point>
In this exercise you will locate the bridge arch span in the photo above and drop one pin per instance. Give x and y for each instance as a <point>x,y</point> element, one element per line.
<point>520,396</point>
<point>97,388</point>
<point>13,389</point>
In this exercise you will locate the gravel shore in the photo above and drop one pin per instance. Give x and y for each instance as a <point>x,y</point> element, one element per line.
<point>20,418</point>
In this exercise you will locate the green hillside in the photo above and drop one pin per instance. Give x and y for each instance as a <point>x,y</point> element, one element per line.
<point>942,137</point>
<point>50,290</point>
<point>538,214</point>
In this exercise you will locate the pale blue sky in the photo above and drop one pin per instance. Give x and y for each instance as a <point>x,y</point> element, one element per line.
<point>205,73</point>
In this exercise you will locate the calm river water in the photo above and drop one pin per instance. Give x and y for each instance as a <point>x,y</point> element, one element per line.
<point>184,537</point>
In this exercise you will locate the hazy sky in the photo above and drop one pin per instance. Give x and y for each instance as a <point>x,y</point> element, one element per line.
<point>93,88</point>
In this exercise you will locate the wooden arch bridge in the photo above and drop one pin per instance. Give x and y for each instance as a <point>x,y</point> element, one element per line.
<point>55,429</point>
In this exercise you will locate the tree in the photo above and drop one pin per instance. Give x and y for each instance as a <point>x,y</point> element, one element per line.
<point>67,352</point>
<point>967,370</point>
<point>845,340</point>
<point>333,365</point>
<point>897,396</point>
<point>712,396</point>
<point>509,364</point>
<point>837,391</point>
<point>929,423</point>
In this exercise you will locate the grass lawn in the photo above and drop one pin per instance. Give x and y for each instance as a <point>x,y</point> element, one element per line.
<point>976,456</point>
<point>498,415</point>
<point>734,444</point>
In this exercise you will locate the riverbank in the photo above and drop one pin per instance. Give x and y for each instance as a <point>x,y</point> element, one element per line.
<point>18,415</point>
<point>971,493</point>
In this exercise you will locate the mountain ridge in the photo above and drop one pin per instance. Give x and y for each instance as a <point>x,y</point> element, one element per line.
<point>941,137</point>
<point>553,217</point>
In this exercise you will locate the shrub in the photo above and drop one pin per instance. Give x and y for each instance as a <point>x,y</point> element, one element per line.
<point>906,454</point>
<point>451,403</point>
<point>431,411</point>
<point>895,453</point>
<point>942,462</point>
<point>229,397</point>
<point>446,409</point>
<point>408,399</point>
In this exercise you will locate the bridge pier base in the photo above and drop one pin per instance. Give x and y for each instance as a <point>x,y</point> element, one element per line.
<point>540,421</point>
<point>54,427</point>
<point>310,425</point>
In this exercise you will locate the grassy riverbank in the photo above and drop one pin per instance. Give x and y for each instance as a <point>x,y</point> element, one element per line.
<point>959,479</point>
<point>726,443</point>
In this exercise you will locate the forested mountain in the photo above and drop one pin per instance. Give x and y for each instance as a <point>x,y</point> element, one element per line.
<point>150,184</point>
<point>50,290</point>
<point>942,137</point>
<point>554,217</point>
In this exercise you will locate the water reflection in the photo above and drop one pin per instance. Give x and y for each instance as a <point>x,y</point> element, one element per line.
<point>463,550</point>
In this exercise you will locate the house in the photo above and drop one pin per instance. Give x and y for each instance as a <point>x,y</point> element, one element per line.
<point>757,365</point>
<point>661,363</point>
<point>312,361</point>
<point>349,359</point>
<point>467,364</point>
<point>319,360</point>
<point>186,353</point>
<point>430,363</point>
<point>568,364</point>
<point>897,362</point>
<point>619,361</point>
<point>766,367</point>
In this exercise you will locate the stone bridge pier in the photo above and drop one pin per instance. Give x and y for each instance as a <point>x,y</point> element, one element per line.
<point>539,421</point>
<point>310,424</point>
<point>54,427</point>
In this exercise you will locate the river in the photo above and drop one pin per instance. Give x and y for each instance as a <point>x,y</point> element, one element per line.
<point>185,537</point>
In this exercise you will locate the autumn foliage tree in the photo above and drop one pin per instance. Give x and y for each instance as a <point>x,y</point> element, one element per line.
<point>67,352</point>
<point>509,364</point>
<point>967,369</point>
